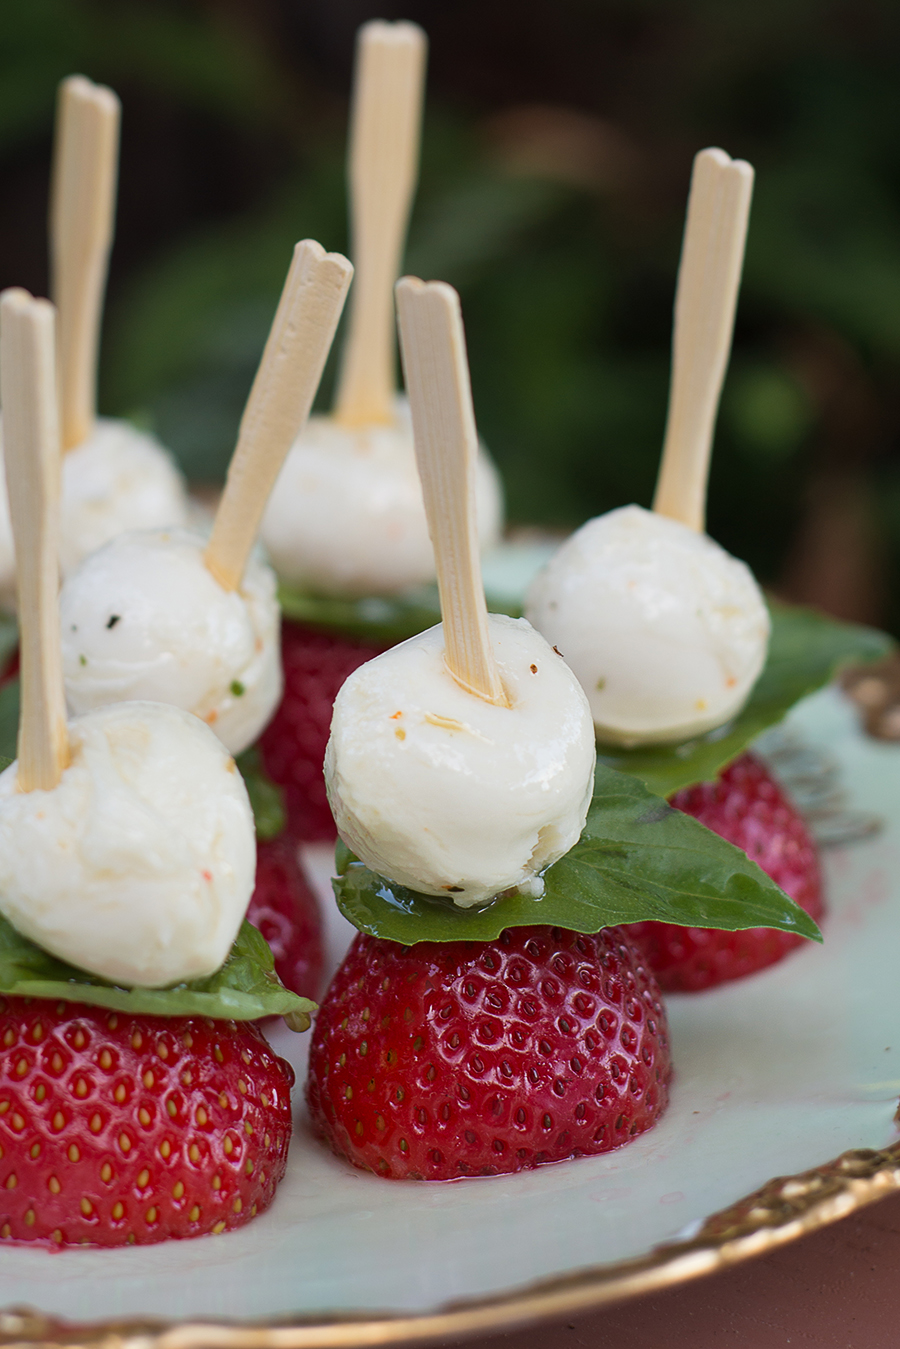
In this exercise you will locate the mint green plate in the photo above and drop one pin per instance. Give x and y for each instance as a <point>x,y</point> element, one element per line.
<point>775,1076</point>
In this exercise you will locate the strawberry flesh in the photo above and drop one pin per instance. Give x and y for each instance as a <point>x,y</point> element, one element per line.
<point>746,806</point>
<point>121,1130</point>
<point>437,1061</point>
<point>286,912</point>
<point>293,744</point>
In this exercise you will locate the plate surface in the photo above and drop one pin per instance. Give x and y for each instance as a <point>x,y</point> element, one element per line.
<point>774,1076</point>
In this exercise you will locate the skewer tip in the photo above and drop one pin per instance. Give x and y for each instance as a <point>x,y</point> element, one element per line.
<point>78,88</point>
<point>713,155</point>
<point>409,286</point>
<point>400,33</point>
<point>17,300</point>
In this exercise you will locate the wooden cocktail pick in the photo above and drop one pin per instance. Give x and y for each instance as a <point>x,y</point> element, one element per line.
<point>82,211</point>
<point>32,454</point>
<point>433,347</point>
<point>384,153</point>
<point>279,402</point>
<point>708,279</point>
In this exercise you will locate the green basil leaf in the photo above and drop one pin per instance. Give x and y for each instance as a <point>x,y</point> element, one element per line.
<point>638,858</point>
<point>9,720</point>
<point>266,797</point>
<point>382,621</point>
<point>805,651</point>
<point>244,989</point>
<point>507,569</point>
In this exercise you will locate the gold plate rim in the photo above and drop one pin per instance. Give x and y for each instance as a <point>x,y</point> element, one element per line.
<point>784,1209</point>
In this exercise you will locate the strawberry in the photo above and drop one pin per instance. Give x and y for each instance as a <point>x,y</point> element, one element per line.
<point>286,912</point>
<point>746,806</point>
<point>293,744</point>
<point>120,1129</point>
<point>10,668</point>
<point>436,1061</point>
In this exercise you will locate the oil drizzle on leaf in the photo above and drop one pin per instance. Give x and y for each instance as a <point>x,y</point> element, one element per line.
<point>633,862</point>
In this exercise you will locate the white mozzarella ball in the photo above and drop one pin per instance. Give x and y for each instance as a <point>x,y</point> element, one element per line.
<point>447,794</point>
<point>144,618</point>
<point>665,630</point>
<point>346,516</point>
<point>139,865</point>
<point>119,478</point>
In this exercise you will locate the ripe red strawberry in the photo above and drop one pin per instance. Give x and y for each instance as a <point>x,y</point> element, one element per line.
<point>746,806</point>
<point>436,1061</point>
<point>9,670</point>
<point>286,912</point>
<point>120,1129</point>
<point>293,744</point>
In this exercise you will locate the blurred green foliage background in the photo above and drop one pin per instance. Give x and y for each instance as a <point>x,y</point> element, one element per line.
<point>556,162</point>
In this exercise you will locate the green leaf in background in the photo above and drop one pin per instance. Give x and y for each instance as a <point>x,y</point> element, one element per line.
<point>9,721</point>
<point>805,650</point>
<point>266,798</point>
<point>244,989</point>
<point>383,621</point>
<point>507,571</point>
<point>637,859</point>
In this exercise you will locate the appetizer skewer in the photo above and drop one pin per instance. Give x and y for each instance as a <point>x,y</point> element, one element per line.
<point>461,762</point>
<point>127,836</point>
<point>170,616</point>
<point>461,765</point>
<point>126,848</point>
<point>666,631</point>
<point>346,515</point>
<point>114,477</point>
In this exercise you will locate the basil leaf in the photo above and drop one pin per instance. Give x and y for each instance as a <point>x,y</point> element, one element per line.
<point>266,798</point>
<point>9,720</point>
<point>244,989</point>
<point>382,621</point>
<point>805,650</point>
<point>507,570</point>
<point>638,858</point>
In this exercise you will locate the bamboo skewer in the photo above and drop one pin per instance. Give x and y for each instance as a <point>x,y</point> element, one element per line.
<point>384,152</point>
<point>279,402</point>
<point>708,279</point>
<point>82,211</point>
<point>31,449</point>
<point>433,347</point>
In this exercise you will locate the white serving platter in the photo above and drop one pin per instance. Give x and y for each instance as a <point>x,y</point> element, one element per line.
<point>775,1076</point>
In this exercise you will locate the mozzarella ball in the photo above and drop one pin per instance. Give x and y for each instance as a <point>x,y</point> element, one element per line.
<point>119,478</point>
<point>139,865</point>
<point>144,618</point>
<point>447,794</point>
<point>346,516</point>
<point>665,630</point>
